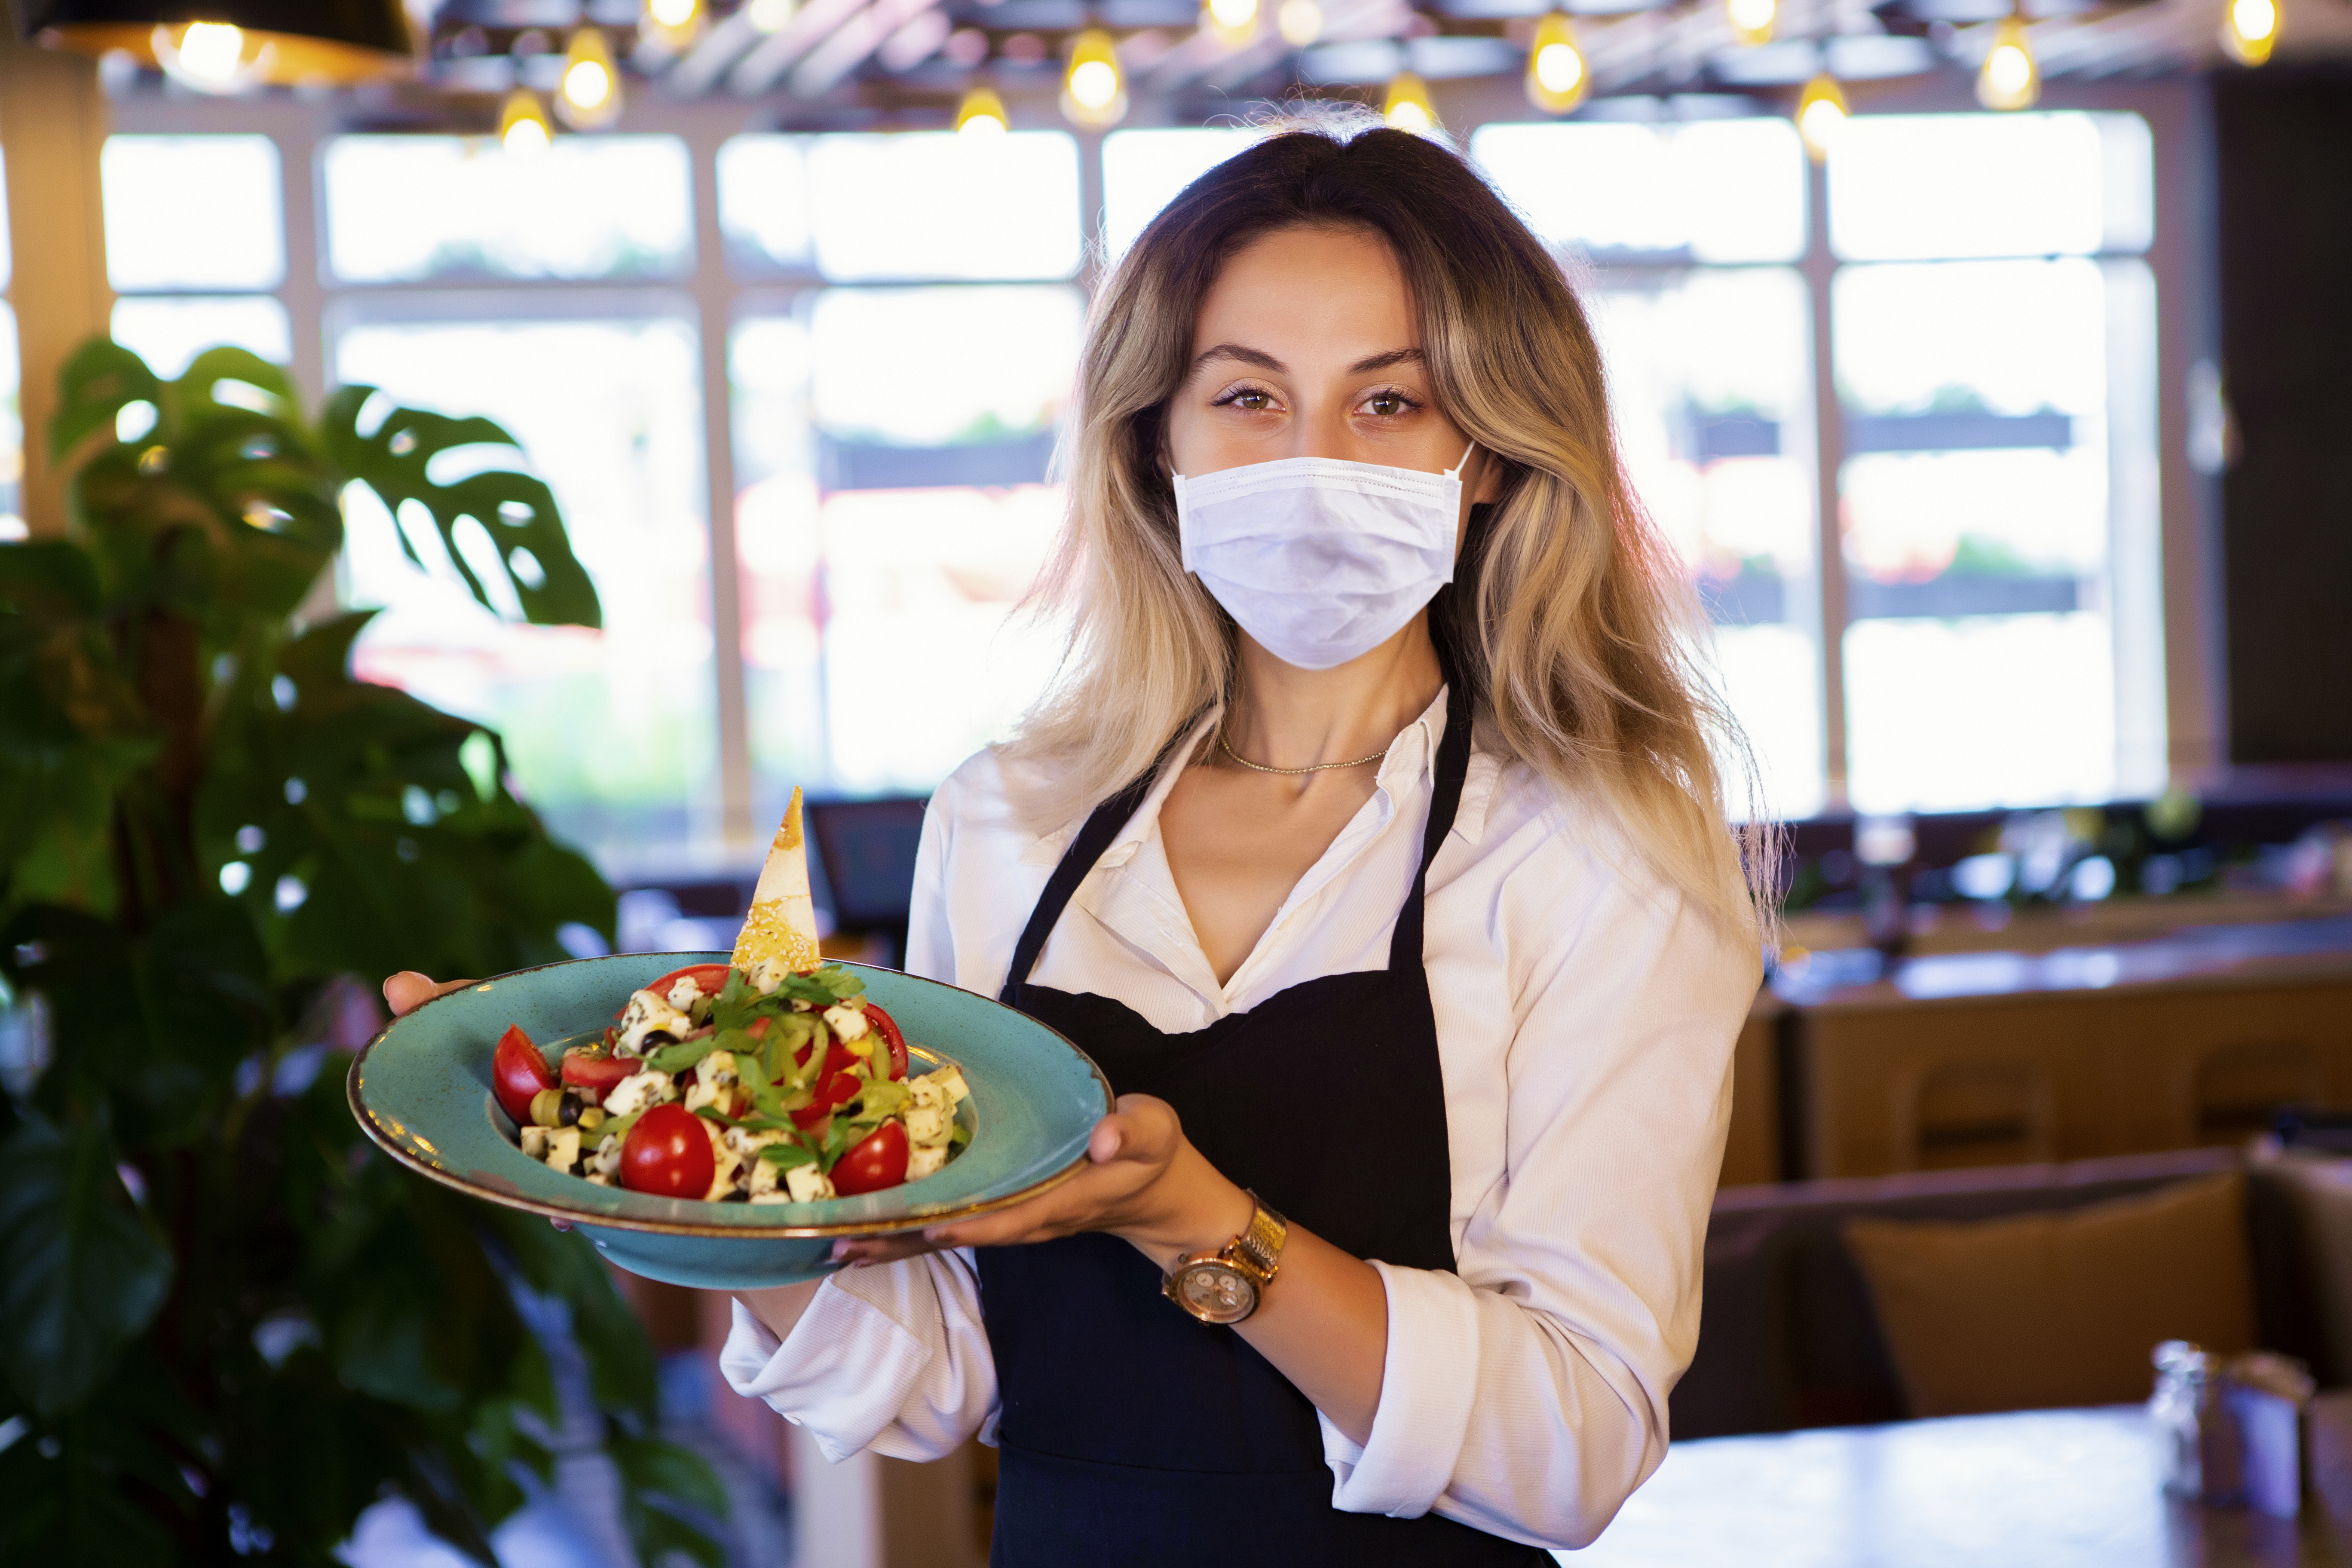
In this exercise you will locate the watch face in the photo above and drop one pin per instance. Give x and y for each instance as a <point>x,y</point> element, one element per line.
<point>1216,1292</point>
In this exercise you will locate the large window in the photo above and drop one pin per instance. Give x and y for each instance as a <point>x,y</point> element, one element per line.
<point>195,242</point>
<point>1995,350</point>
<point>895,320</point>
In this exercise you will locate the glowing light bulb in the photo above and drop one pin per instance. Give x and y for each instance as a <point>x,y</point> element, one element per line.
<point>2010,78</point>
<point>590,93</point>
<point>212,51</point>
<point>1300,22</point>
<point>2250,31</point>
<point>1232,23</point>
<point>674,22</point>
<point>1752,20</point>
<point>769,15</point>
<point>522,124</point>
<point>1407,105</point>
<point>212,56</point>
<point>981,114</point>
<point>1556,76</point>
<point>1094,93</point>
<point>1821,115</point>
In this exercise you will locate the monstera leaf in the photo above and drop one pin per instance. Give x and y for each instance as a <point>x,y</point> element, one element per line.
<point>516,512</point>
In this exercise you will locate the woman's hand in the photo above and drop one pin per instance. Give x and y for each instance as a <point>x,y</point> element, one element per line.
<point>407,991</point>
<point>1143,1182</point>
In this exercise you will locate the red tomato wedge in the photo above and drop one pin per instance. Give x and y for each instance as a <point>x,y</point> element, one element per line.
<point>517,1072</point>
<point>709,978</point>
<point>879,1161</point>
<point>668,1153</point>
<point>595,1076</point>
<point>840,1087</point>
<point>887,1027</point>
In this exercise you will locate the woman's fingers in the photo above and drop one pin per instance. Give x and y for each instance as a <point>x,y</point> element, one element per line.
<point>407,991</point>
<point>885,1248</point>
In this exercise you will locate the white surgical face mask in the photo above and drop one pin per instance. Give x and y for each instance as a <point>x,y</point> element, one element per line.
<point>1320,559</point>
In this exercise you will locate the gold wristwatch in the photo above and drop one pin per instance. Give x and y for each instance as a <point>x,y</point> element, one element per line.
<point>1226,1286</point>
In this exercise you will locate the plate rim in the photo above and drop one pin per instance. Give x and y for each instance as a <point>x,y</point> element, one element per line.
<point>382,1138</point>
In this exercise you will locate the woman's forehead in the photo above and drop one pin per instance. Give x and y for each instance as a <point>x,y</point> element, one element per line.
<point>1322,298</point>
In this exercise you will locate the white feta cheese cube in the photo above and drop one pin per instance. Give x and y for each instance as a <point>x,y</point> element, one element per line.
<point>847,1023</point>
<point>808,1185</point>
<point>684,994</point>
<point>746,1142</point>
<point>951,1080</point>
<point>922,1161</point>
<point>600,1178</point>
<point>702,1092</point>
<point>927,1124</point>
<point>534,1142</point>
<point>767,974</point>
<point>773,1198</point>
<point>928,1091</point>
<point>637,1092</point>
<point>719,1067</point>
<point>648,1014</point>
<point>563,1148</point>
<point>765,1178</point>
<point>606,1160</point>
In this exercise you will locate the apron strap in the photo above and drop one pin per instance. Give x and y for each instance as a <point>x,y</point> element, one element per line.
<point>1103,826</point>
<point>1087,848</point>
<point>1445,800</point>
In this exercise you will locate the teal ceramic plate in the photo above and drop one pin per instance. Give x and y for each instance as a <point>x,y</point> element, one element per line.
<point>422,1089</point>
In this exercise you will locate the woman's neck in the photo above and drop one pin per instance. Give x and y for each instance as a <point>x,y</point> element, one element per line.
<point>1285,717</point>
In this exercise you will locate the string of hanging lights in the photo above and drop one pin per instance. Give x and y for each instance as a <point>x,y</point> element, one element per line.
<point>228,47</point>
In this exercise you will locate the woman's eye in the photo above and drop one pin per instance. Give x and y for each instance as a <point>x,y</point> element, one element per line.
<point>1249,398</point>
<point>1387,404</point>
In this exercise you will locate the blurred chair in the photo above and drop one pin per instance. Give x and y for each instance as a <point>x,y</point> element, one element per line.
<point>867,852</point>
<point>1791,1335</point>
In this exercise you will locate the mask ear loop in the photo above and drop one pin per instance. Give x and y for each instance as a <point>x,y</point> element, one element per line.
<point>1455,472</point>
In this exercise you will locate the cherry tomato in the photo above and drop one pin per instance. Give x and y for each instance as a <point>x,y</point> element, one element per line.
<point>880,1160</point>
<point>667,1154</point>
<point>887,1027</point>
<point>595,1076</point>
<point>709,978</point>
<point>517,1072</point>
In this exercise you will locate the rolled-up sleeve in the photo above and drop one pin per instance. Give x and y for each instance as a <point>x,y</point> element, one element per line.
<point>892,1358</point>
<point>1525,1394</point>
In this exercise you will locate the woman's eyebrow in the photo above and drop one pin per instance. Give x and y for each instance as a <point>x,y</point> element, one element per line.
<point>1259,357</point>
<point>1382,361</point>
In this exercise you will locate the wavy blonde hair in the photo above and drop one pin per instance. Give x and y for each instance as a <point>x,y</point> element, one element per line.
<point>1569,618</point>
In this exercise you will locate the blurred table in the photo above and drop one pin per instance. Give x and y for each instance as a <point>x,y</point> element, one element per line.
<point>2044,1489</point>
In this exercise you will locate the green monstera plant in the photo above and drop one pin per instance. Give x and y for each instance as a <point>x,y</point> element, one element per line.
<point>226,1325</point>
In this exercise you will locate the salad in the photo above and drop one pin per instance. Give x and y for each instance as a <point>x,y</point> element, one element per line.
<point>762,1086</point>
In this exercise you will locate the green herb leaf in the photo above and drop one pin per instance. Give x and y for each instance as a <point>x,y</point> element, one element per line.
<point>786,1156</point>
<point>713,1113</point>
<point>683,1055</point>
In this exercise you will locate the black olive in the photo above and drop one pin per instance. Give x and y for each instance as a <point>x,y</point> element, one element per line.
<point>655,1039</point>
<point>737,1196</point>
<point>682,1077</point>
<point>567,1112</point>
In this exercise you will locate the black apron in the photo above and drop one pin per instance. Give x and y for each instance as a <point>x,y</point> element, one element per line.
<point>1131,1433</point>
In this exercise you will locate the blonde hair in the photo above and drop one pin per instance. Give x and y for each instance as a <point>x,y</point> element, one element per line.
<point>1569,618</point>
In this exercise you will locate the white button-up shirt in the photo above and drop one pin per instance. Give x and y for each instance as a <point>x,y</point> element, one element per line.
<point>1585,1020</point>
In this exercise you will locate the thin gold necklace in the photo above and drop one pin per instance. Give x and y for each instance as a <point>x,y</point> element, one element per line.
<point>1314,768</point>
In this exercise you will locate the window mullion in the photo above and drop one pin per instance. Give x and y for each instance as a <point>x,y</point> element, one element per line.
<point>1820,269</point>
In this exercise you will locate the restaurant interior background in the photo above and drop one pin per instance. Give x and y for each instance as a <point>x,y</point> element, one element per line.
<point>1983,364</point>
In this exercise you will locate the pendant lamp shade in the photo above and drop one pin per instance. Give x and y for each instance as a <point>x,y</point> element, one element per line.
<point>337,41</point>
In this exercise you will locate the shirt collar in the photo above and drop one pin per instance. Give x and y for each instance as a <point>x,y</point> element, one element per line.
<point>1411,763</point>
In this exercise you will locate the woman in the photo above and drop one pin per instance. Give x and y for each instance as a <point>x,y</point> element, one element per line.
<point>1371,843</point>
